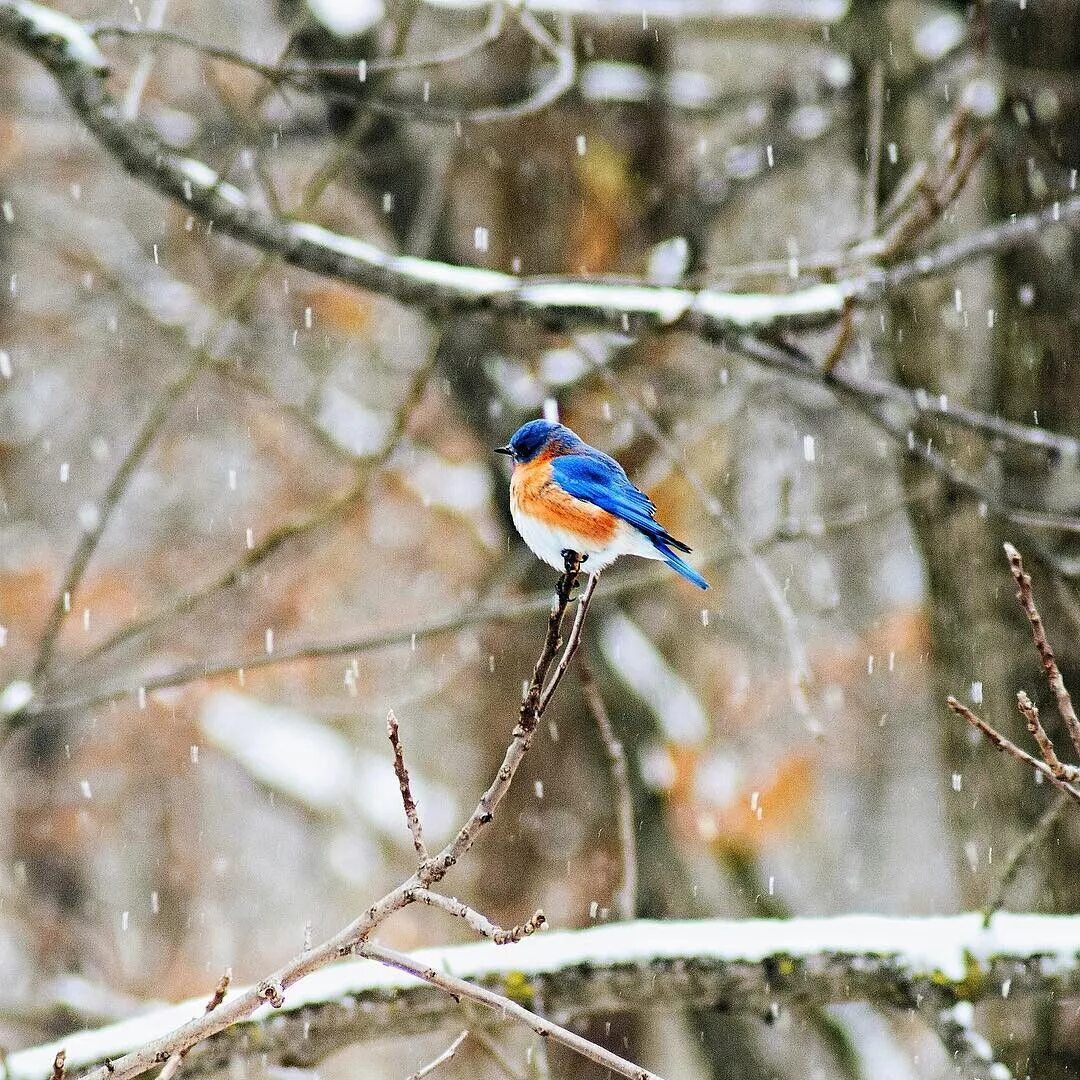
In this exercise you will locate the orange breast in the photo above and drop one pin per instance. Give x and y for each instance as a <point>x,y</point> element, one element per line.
<point>534,490</point>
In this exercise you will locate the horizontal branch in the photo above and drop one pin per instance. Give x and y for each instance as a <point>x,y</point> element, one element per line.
<point>805,12</point>
<point>66,48</point>
<point>500,609</point>
<point>743,965</point>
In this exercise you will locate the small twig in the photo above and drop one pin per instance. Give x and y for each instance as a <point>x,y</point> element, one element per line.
<point>170,1068</point>
<point>401,771</point>
<point>626,897</point>
<point>1046,653</point>
<point>58,1065</point>
<point>442,1059</point>
<point>1030,713</point>
<point>479,922</point>
<point>1000,742</point>
<point>1033,839</point>
<point>460,989</point>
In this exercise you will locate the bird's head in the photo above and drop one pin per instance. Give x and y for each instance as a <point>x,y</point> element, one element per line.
<point>537,437</point>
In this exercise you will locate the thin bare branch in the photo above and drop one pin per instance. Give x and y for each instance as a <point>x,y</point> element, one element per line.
<point>1033,839</point>
<point>401,771</point>
<point>349,939</point>
<point>626,897</point>
<point>573,641</point>
<point>479,922</point>
<point>502,609</point>
<point>442,1059</point>
<point>1046,747</point>
<point>462,990</point>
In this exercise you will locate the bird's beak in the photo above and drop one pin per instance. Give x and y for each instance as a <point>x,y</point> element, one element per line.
<point>508,451</point>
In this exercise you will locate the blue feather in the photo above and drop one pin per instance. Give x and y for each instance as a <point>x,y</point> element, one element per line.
<point>593,477</point>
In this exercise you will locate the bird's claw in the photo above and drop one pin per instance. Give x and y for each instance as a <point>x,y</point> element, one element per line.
<point>572,561</point>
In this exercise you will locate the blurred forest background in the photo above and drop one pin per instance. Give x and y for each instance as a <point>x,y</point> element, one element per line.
<point>247,461</point>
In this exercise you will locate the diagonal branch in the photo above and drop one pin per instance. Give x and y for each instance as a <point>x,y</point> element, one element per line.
<point>408,800</point>
<point>460,989</point>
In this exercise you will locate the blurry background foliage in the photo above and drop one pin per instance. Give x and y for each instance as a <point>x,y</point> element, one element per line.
<point>150,839</point>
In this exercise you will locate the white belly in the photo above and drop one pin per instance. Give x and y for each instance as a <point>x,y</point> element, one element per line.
<point>548,542</point>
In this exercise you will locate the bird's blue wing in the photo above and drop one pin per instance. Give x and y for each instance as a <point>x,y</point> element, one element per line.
<point>600,480</point>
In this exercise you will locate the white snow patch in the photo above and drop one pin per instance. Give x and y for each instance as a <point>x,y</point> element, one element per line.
<point>15,696</point>
<point>78,44</point>
<point>667,305</point>
<point>200,175</point>
<point>351,424</point>
<point>750,310</point>
<point>343,245</point>
<point>473,281</point>
<point>347,18</point>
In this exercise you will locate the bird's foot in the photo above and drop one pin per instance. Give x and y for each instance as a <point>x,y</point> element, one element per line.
<point>572,561</point>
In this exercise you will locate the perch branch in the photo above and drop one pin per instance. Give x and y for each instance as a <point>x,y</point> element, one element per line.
<point>272,990</point>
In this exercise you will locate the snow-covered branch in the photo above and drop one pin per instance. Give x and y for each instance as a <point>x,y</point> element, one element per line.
<point>69,52</point>
<point>744,965</point>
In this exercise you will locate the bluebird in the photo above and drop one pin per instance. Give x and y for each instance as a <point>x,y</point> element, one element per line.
<point>565,495</point>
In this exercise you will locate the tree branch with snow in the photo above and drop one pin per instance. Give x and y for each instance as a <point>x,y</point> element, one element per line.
<point>741,966</point>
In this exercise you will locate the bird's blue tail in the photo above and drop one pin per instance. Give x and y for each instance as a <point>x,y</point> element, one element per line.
<point>680,567</point>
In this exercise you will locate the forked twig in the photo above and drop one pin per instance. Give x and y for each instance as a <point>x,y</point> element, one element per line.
<point>1007,746</point>
<point>626,897</point>
<point>1060,774</point>
<point>1046,653</point>
<point>574,640</point>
